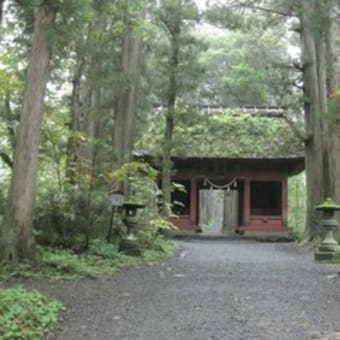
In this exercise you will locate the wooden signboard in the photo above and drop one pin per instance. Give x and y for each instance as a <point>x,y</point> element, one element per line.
<point>116,198</point>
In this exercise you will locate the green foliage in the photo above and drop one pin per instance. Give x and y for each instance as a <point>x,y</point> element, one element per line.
<point>226,17</point>
<point>139,177</point>
<point>297,204</point>
<point>173,25</point>
<point>55,220</point>
<point>161,247</point>
<point>106,250</point>
<point>101,259</point>
<point>70,219</point>
<point>65,264</point>
<point>26,315</point>
<point>141,180</point>
<point>151,227</point>
<point>245,68</point>
<point>335,259</point>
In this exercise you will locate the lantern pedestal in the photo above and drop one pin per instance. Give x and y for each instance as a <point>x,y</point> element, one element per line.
<point>129,245</point>
<point>329,247</point>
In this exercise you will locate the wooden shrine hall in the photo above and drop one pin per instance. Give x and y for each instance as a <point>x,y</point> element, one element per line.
<point>254,184</point>
<point>257,187</point>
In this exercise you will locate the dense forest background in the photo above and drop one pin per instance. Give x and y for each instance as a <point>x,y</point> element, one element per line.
<point>85,84</point>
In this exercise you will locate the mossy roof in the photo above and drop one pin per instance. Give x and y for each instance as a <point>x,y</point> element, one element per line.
<point>226,136</point>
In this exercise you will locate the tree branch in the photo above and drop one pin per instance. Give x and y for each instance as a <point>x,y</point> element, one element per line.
<point>295,84</point>
<point>166,24</point>
<point>6,159</point>
<point>251,5</point>
<point>294,127</point>
<point>297,65</point>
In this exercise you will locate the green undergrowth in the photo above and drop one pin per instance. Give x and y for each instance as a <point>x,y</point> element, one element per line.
<point>162,247</point>
<point>26,315</point>
<point>335,259</point>
<point>101,258</point>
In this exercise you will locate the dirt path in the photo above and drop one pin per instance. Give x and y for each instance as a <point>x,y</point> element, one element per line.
<point>211,290</point>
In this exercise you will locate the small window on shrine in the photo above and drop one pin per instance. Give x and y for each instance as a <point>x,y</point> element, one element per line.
<point>265,198</point>
<point>180,199</point>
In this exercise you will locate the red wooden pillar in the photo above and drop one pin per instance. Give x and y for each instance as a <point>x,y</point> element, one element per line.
<point>193,201</point>
<point>246,202</point>
<point>284,184</point>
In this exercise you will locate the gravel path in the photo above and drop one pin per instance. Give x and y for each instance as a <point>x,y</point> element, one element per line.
<point>211,290</point>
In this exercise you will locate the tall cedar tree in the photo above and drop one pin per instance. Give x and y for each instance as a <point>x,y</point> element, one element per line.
<point>16,239</point>
<point>126,104</point>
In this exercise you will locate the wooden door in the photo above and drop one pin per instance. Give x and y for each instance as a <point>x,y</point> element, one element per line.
<point>230,216</point>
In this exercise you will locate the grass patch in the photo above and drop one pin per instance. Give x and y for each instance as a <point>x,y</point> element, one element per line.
<point>26,315</point>
<point>101,259</point>
<point>335,259</point>
<point>162,247</point>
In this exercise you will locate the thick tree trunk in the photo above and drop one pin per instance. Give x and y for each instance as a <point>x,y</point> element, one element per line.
<point>169,120</point>
<point>333,44</point>
<point>75,125</point>
<point>126,106</point>
<point>313,105</point>
<point>323,112</point>
<point>93,127</point>
<point>16,239</point>
<point>1,9</point>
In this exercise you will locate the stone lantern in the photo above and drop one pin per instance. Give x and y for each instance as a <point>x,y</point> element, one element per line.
<point>329,246</point>
<point>129,244</point>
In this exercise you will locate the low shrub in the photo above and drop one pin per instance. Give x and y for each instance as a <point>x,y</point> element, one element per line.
<point>26,315</point>
<point>162,247</point>
<point>102,258</point>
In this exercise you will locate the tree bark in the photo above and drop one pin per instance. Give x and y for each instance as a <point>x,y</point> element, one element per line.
<point>126,106</point>
<point>75,124</point>
<point>16,239</point>
<point>333,47</point>
<point>1,10</point>
<point>175,31</point>
<point>313,104</point>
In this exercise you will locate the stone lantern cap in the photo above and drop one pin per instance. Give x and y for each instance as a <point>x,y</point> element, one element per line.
<point>328,205</point>
<point>129,205</point>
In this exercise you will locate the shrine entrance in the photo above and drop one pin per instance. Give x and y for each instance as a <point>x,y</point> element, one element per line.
<point>219,211</point>
<point>231,196</point>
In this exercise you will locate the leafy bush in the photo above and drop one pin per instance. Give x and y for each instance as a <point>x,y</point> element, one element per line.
<point>161,247</point>
<point>106,250</point>
<point>65,264</point>
<point>140,178</point>
<point>26,315</point>
<point>336,259</point>
<point>55,219</point>
<point>67,219</point>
